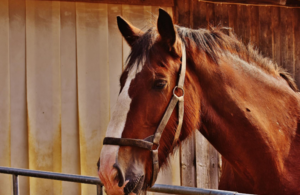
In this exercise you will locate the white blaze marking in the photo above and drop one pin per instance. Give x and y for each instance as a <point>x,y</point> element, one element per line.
<point>117,123</point>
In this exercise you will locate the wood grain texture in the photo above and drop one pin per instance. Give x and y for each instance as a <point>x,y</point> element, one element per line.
<point>126,2</point>
<point>5,127</point>
<point>199,15</point>
<point>243,23</point>
<point>221,15</point>
<point>188,169</point>
<point>286,40</point>
<point>275,28</point>
<point>254,25</point>
<point>43,92</point>
<point>69,107</point>
<point>264,2</point>
<point>17,56</point>
<point>210,14</point>
<point>182,12</point>
<point>265,33</point>
<point>232,17</point>
<point>297,45</point>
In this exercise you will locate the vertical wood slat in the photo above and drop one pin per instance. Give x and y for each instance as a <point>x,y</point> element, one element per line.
<point>243,23</point>
<point>69,109</point>
<point>232,17</point>
<point>297,45</point>
<point>221,15</point>
<point>93,84</point>
<point>254,25</point>
<point>187,160</point>
<point>199,15</point>
<point>286,40</point>
<point>265,33</point>
<point>114,53</point>
<point>5,155</point>
<point>210,15</point>
<point>19,140</point>
<point>275,27</point>
<point>43,92</point>
<point>182,12</point>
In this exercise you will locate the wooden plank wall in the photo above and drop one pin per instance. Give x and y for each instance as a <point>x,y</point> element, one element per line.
<point>59,80</point>
<point>274,30</point>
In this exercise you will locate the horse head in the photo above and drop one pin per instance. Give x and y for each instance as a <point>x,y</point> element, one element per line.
<point>147,86</point>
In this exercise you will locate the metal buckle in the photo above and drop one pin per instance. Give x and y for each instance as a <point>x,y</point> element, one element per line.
<point>177,87</point>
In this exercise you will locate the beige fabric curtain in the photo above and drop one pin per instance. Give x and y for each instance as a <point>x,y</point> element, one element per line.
<point>60,64</point>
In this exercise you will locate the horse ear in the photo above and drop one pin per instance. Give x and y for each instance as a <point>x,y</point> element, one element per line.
<point>129,32</point>
<point>166,28</point>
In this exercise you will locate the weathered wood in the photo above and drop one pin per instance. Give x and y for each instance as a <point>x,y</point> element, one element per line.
<point>188,169</point>
<point>254,25</point>
<point>199,14</point>
<point>297,45</point>
<point>182,12</point>
<point>273,2</point>
<point>275,27</point>
<point>17,56</point>
<point>286,40</point>
<point>221,15</point>
<point>232,17</point>
<point>69,123</point>
<point>210,14</point>
<point>5,131</point>
<point>168,3</point>
<point>207,163</point>
<point>265,33</point>
<point>243,23</point>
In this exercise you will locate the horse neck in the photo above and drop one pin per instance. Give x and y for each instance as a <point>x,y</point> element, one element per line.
<point>248,115</point>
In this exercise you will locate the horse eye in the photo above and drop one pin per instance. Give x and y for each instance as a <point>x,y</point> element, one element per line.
<point>160,84</point>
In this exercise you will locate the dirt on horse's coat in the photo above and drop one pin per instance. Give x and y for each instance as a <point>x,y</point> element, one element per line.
<point>243,103</point>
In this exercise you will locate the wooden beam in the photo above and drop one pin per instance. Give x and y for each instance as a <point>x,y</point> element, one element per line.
<point>272,2</point>
<point>167,3</point>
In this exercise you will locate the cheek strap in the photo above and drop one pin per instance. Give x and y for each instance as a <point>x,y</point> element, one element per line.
<point>153,140</point>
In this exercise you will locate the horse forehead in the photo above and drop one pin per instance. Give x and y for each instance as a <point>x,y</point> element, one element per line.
<point>122,107</point>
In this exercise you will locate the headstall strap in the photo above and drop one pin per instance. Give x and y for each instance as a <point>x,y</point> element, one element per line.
<point>148,142</point>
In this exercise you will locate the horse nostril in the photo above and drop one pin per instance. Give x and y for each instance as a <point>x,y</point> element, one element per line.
<point>119,176</point>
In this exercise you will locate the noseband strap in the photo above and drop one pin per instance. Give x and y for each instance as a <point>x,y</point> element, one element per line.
<point>150,141</point>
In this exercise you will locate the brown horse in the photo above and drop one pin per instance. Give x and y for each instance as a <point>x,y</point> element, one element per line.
<point>244,104</point>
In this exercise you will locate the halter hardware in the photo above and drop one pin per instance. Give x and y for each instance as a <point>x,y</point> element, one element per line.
<point>177,87</point>
<point>153,140</point>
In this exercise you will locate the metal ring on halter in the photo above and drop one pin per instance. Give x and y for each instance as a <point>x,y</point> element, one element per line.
<point>177,87</point>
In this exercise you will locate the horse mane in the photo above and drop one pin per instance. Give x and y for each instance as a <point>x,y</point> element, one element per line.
<point>214,42</point>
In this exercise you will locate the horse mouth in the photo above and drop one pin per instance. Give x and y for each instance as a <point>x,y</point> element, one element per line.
<point>134,185</point>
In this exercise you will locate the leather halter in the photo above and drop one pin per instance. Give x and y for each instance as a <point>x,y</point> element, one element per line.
<point>150,142</point>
